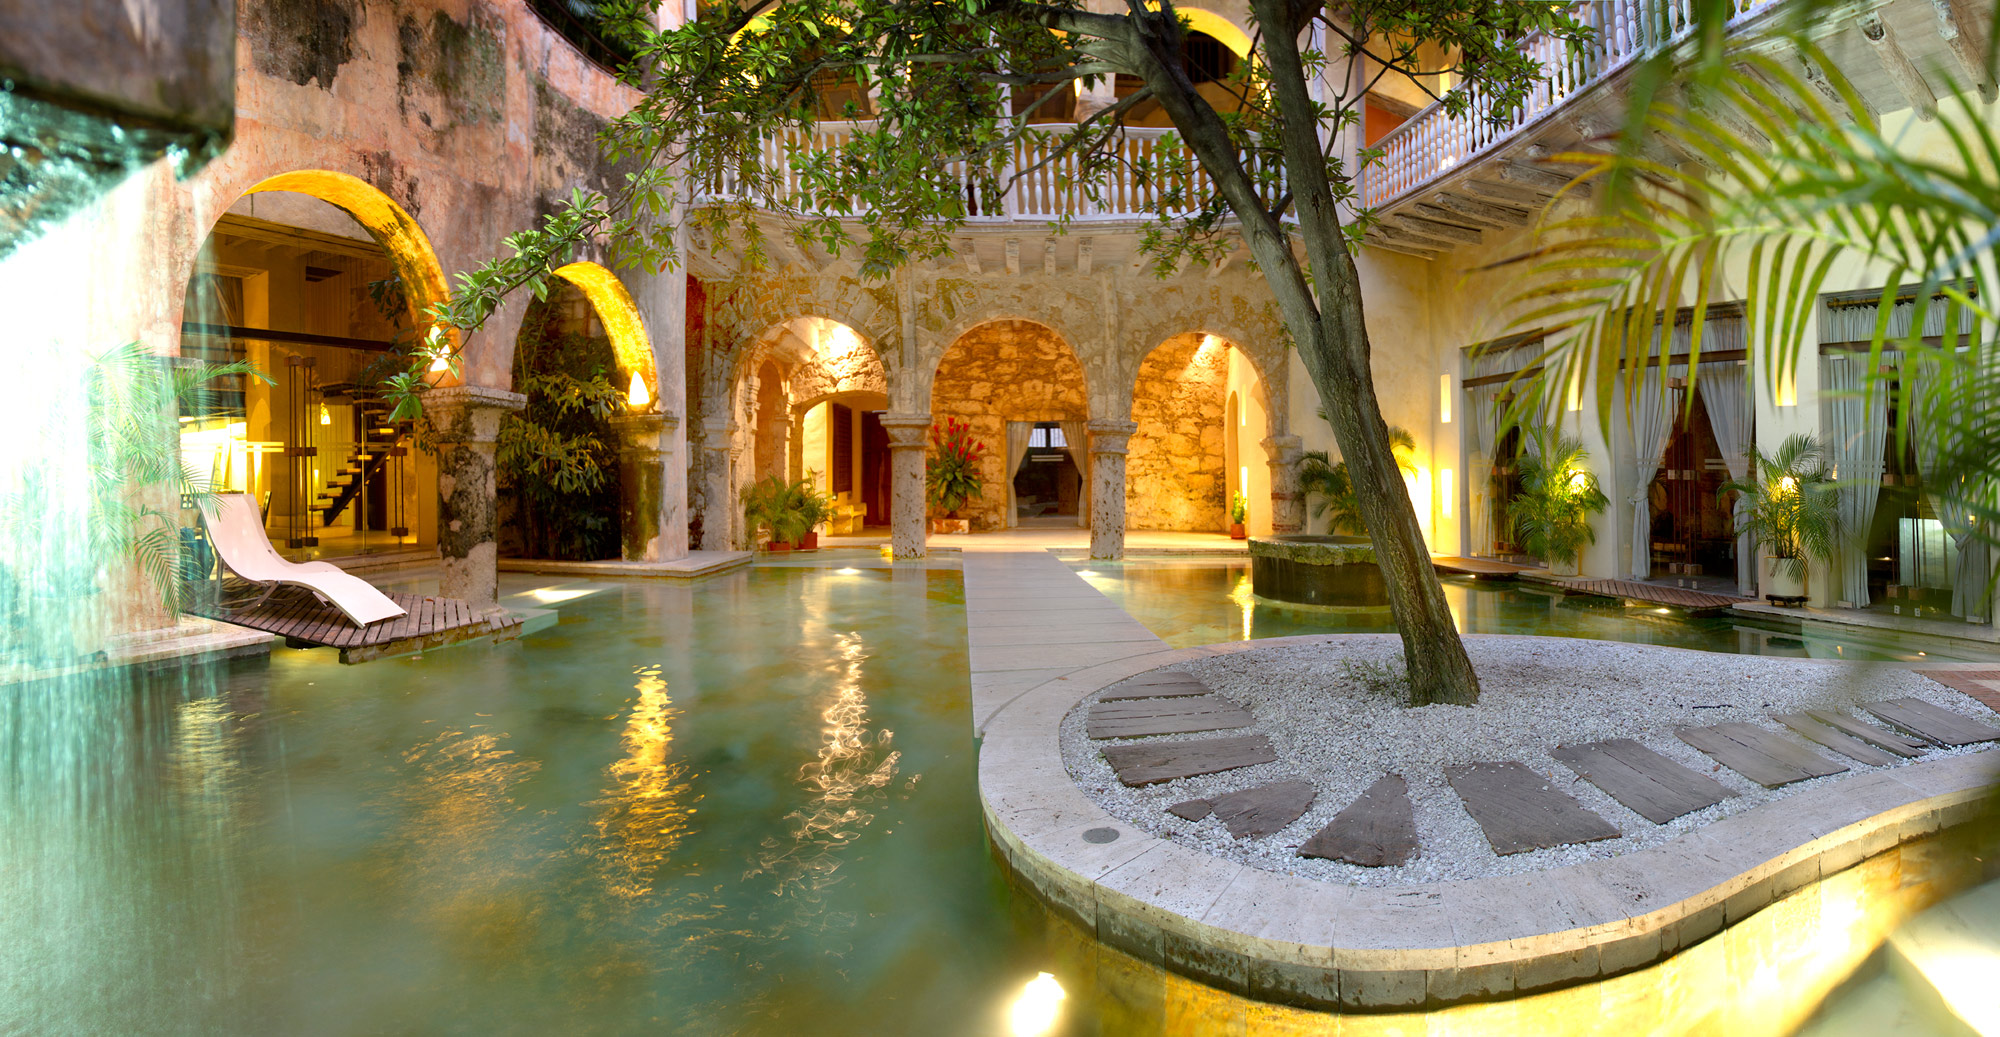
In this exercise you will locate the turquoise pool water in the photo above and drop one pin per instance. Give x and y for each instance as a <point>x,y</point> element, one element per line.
<point>1200,601</point>
<point>743,806</point>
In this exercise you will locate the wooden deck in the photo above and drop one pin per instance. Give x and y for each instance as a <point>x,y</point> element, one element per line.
<point>1482,568</point>
<point>304,622</point>
<point>1631,590</point>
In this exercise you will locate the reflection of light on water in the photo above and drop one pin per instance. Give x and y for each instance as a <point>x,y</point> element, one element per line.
<point>463,854</point>
<point>850,772</point>
<point>647,812</point>
<point>1246,600</point>
<point>551,595</point>
<point>848,571</point>
<point>1034,1012</point>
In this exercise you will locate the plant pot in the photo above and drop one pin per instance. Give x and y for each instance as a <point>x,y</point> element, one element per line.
<point>778,546</point>
<point>1236,531</point>
<point>951,525</point>
<point>1572,567</point>
<point>1780,582</point>
<point>809,542</point>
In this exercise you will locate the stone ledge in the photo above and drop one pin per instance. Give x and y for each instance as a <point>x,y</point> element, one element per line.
<point>1299,941</point>
<point>696,564</point>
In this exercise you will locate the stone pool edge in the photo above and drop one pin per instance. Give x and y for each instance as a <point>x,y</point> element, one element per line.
<point>1300,941</point>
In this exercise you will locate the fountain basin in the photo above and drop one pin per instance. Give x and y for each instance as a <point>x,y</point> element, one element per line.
<point>1336,572</point>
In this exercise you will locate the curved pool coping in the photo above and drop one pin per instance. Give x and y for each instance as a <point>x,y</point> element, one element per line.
<point>1300,941</point>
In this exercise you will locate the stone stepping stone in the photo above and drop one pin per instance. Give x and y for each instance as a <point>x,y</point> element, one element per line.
<point>1652,786</point>
<point>1757,754</point>
<point>1869,733</point>
<point>1936,723</point>
<point>1146,763</point>
<point>1852,748</point>
<point>1137,718</point>
<point>1259,811</point>
<point>1519,811</point>
<point>1378,830</point>
<point>1155,685</point>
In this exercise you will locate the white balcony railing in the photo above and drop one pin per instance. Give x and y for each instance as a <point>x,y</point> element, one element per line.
<point>1048,192</point>
<point>1433,142</point>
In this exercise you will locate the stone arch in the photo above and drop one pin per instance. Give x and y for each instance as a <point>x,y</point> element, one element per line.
<point>999,372</point>
<point>1175,471</point>
<point>620,317</point>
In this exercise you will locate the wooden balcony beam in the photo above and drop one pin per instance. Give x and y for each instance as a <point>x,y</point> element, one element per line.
<point>1471,209</point>
<point>1505,194</point>
<point>1375,240</point>
<point>1897,64</point>
<point>1971,64</point>
<point>1816,76</point>
<point>1542,180</point>
<point>1435,229</point>
<point>1403,234</point>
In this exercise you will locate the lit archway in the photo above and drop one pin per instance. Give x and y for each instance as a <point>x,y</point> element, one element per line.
<point>1178,474</point>
<point>620,317</point>
<point>1023,391</point>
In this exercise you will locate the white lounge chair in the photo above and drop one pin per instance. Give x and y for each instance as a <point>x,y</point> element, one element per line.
<point>237,532</point>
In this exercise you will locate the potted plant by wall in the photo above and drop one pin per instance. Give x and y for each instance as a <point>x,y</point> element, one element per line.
<point>1239,507</point>
<point>1790,508</point>
<point>1558,496</point>
<point>1326,479</point>
<point>952,475</point>
<point>772,504</point>
<point>815,509</point>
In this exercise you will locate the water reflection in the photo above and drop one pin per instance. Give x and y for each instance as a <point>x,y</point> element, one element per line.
<point>648,807</point>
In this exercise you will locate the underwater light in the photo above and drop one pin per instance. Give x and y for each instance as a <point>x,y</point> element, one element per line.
<point>849,571</point>
<point>1034,1012</point>
<point>1086,572</point>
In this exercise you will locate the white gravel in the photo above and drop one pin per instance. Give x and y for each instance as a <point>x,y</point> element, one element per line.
<point>1537,693</point>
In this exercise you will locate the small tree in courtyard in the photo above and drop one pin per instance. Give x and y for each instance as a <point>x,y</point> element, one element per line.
<point>942,146</point>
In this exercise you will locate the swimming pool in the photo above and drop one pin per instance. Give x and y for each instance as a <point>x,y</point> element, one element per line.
<point>1196,601</point>
<point>742,806</point>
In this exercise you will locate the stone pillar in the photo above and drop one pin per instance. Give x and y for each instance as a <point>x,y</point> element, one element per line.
<point>467,423</point>
<point>645,449</point>
<point>909,446</point>
<point>1108,442</point>
<point>719,522</point>
<point>1288,505</point>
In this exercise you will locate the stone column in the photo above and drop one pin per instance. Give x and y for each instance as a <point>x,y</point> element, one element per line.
<point>1288,505</point>
<point>1108,442</point>
<point>909,446</point>
<point>719,522</point>
<point>467,423</point>
<point>645,448</point>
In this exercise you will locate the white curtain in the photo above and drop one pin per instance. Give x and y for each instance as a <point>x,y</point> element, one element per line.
<point>1652,414</point>
<point>1076,437</point>
<point>1725,394</point>
<point>1932,390</point>
<point>1482,414</point>
<point>1018,433</point>
<point>1855,424</point>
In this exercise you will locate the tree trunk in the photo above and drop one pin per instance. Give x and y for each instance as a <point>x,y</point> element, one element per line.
<point>1329,332</point>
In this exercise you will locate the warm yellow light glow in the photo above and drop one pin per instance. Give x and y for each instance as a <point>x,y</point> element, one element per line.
<point>1786,392</point>
<point>551,595</point>
<point>1444,491</point>
<point>1086,572</point>
<point>1444,399</point>
<point>1243,480</point>
<point>850,571</point>
<point>617,311</point>
<point>441,364</point>
<point>1787,484</point>
<point>1579,480</point>
<point>325,416</point>
<point>1575,402</point>
<point>1037,1009</point>
<point>639,398</point>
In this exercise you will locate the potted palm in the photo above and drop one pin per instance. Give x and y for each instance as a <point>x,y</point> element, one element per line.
<point>1239,507</point>
<point>815,509</point>
<point>952,476</point>
<point>773,504</point>
<point>1790,509</point>
<point>1322,477</point>
<point>1558,496</point>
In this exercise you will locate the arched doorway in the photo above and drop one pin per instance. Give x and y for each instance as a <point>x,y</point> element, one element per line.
<point>557,470</point>
<point>812,394</point>
<point>1021,388</point>
<point>322,282</point>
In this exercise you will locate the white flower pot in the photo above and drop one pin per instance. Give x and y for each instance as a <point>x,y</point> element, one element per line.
<point>1780,582</point>
<point>1573,567</point>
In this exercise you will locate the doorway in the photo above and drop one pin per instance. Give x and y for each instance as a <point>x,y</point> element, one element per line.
<point>1048,486</point>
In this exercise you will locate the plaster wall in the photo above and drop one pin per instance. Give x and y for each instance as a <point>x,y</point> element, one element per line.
<point>1248,472</point>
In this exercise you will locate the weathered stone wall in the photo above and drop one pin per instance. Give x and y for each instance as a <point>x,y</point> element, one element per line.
<point>1008,370</point>
<point>1174,477</point>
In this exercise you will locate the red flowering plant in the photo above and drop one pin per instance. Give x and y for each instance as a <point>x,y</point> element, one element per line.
<point>953,474</point>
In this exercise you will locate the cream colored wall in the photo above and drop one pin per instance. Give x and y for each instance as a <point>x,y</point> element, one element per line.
<point>1252,420</point>
<point>817,448</point>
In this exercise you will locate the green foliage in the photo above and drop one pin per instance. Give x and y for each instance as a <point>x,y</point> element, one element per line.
<point>951,476</point>
<point>1558,495</point>
<point>1791,503</point>
<point>789,510</point>
<point>1322,477</point>
<point>1239,506</point>
<point>558,455</point>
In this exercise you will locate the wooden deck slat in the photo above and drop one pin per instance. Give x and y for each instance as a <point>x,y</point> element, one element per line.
<point>1680,597</point>
<point>1901,745</point>
<point>1463,566</point>
<point>1652,786</point>
<point>1135,718</point>
<point>1519,811</point>
<point>1757,754</point>
<point>427,622</point>
<point>1159,677</point>
<point>1186,685</point>
<point>1377,830</point>
<point>1263,810</point>
<point>1848,746</point>
<point>1145,763</point>
<point>1936,723</point>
